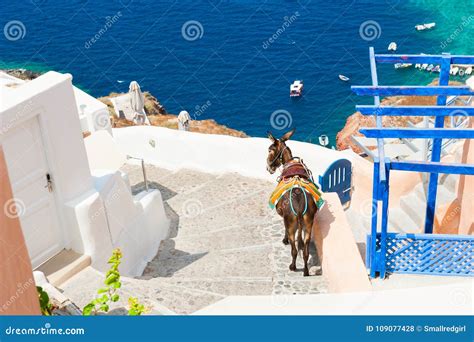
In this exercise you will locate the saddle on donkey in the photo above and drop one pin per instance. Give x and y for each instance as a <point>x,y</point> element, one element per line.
<point>295,174</point>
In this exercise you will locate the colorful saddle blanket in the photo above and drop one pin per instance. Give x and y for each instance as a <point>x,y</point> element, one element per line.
<point>286,184</point>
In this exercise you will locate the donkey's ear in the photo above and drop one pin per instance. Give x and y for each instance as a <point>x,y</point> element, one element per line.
<point>270,136</point>
<point>287,135</point>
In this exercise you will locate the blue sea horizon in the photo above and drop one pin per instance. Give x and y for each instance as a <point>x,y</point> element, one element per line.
<point>233,61</point>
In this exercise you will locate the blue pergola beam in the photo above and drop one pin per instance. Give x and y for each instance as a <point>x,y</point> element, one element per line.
<point>412,90</point>
<point>436,148</point>
<point>418,133</point>
<point>378,119</point>
<point>431,59</point>
<point>416,110</point>
<point>433,167</point>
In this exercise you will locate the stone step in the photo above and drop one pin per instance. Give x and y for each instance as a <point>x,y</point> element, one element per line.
<point>450,182</point>
<point>63,266</point>
<point>413,207</point>
<point>176,263</point>
<point>82,289</point>
<point>400,222</point>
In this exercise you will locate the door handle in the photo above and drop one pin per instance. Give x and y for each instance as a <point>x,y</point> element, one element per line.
<point>49,183</point>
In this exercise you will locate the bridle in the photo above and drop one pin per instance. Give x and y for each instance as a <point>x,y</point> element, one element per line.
<point>279,156</point>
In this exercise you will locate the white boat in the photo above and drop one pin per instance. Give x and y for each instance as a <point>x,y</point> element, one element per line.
<point>392,46</point>
<point>454,71</point>
<point>402,65</point>
<point>424,66</point>
<point>430,68</point>
<point>344,78</point>
<point>461,72</point>
<point>417,66</point>
<point>437,68</point>
<point>422,27</point>
<point>468,71</point>
<point>296,88</point>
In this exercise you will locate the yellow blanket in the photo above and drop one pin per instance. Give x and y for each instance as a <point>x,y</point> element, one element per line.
<point>296,182</point>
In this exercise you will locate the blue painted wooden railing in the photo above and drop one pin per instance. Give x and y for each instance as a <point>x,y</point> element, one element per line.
<point>416,253</point>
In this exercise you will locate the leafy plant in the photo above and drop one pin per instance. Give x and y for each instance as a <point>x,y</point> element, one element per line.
<point>135,308</point>
<point>45,304</point>
<point>109,293</point>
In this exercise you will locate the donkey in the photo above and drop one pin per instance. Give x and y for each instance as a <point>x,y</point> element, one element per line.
<point>296,208</point>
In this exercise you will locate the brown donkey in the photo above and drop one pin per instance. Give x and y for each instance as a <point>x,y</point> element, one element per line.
<point>297,207</point>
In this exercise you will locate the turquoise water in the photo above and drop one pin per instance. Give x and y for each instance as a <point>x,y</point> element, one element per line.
<point>238,67</point>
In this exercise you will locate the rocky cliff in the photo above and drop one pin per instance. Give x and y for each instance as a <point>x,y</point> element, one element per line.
<point>158,116</point>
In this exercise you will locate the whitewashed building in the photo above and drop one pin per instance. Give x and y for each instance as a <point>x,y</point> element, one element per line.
<point>61,205</point>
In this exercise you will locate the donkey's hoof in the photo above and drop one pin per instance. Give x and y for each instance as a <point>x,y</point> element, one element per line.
<point>285,241</point>
<point>306,273</point>
<point>292,267</point>
<point>319,271</point>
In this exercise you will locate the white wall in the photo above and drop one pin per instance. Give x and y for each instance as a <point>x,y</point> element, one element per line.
<point>93,114</point>
<point>85,214</point>
<point>215,153</point>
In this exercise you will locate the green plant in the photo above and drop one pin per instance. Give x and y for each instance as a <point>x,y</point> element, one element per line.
<point>109,293</point>
<point>135,308</point>
<point>45,304</point>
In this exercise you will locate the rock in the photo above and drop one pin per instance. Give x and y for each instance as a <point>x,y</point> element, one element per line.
<point>158,116</point>
<point>23,74</point>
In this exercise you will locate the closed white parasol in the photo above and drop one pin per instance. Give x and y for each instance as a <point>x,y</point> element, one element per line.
<point>137,102</point>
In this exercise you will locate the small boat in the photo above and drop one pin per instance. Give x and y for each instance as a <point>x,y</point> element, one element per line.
<point>468,71</point>
<point>424,66</point>
<point>422,27</point>
<point>461,72</point>
<point>430,67</point>
<point>437,68</point>
<point>392,46</point>
<point>454,71</point>
<point>402,65</point>
<point>296,88</point>
<point>344,78</point>
<point>417,66</point>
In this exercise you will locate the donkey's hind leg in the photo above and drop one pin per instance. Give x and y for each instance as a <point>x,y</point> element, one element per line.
<point>291,226</point>
<point>308,226</point>
<point>285,239</point>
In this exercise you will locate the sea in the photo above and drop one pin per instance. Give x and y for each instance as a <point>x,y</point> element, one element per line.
<point>234,60</point>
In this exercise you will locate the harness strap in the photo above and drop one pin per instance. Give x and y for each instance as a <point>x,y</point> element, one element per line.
<point>305,200</point>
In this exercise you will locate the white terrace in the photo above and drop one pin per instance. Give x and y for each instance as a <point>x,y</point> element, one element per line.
<point>202,236</point>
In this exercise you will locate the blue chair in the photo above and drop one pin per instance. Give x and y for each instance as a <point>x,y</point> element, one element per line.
<point>338,178</point>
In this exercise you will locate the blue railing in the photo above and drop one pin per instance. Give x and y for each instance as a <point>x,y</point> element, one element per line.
<point>432,254</point>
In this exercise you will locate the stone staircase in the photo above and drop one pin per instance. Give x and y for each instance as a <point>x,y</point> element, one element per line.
<point>224,241</point>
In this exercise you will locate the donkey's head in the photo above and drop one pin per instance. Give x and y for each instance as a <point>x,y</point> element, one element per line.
<point>278,152</point>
